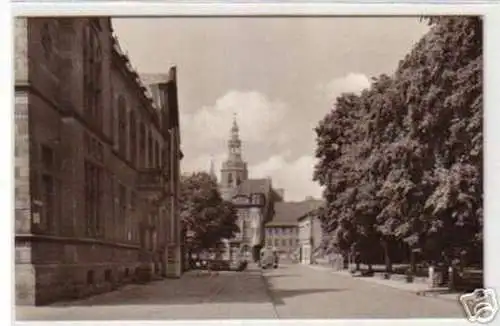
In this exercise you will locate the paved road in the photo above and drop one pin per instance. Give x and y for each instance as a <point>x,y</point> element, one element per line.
<point>292,291</point>
<point>302,292</point>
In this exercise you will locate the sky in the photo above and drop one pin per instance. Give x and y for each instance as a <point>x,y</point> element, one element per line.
<point>279,76</point>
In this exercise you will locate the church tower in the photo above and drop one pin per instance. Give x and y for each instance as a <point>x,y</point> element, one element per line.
<point>234,169</point>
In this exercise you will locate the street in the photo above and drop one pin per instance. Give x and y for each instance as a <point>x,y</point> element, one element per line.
<point>299,291</point>
<point>291,291</point>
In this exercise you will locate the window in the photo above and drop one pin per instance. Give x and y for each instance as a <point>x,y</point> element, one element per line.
<point>133,138</point>
<point>92,78</point>
<point>142,145</point>
<point>93,197</point>
<point>48,195</point>
<point>276,242</point>
<point>122,126</point>
<point>229,179</point>
<point>150,150</point>
<point>112,119</point>
<point>160,156</point>
<point>47,158</point>
<point>114,206</point>
<point>157,154</point>
<point>122,209</point>
<point>47,42</point>
<point>48,199</point>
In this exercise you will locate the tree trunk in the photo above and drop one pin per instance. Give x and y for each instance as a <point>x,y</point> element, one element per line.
<point>387,257</point>
<point>413,266</point>
<point>357,260</point>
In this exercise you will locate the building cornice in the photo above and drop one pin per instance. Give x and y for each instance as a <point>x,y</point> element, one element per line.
<point>122,62</point>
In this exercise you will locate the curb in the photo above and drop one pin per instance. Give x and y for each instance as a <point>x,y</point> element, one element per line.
<point>269,293</point>
<point>423,293</point>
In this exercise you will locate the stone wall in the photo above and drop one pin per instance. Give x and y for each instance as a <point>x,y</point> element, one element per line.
<point>63,269</point>
<point>59,260</point>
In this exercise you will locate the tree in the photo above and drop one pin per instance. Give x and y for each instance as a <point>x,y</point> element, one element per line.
<point>402,161</point>
<point>204,213</point>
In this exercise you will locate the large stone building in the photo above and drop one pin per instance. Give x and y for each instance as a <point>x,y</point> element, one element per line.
<point>254,199</point>
<point>96,163</point>
<point>282,231</point>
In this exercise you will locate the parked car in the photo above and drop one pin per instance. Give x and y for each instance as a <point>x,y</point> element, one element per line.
<point>220,265</point>
<point>268,258</point>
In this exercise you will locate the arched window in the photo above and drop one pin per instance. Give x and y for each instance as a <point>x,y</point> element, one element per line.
<point>133,137</point>
<point>92,75</point>
<point>122,126</point>
<point>47,40</point>
<point>142,145</point>
<point>150,150</point>
<point>229,179</point>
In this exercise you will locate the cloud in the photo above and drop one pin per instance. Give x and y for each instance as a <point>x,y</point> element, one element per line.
<point>204,133</point>
<point>294,176</point>
<point>257,116</point>
<point>350,83</point>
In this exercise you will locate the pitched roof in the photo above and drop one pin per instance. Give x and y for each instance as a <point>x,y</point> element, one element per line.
<point>288,213</point>
<point>251,186</point>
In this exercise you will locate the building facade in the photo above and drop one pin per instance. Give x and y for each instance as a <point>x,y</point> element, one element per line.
<point>283,232</point>
<point>253,198</point>
<point>283,237</point>
<point>310,235</point>
<point>96,164</point>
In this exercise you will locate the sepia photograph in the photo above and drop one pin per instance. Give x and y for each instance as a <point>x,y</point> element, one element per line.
<point>232,167</point>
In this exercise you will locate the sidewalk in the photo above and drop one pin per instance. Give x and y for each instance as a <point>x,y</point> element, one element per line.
<point>419,287</point>
<point>196,295</point>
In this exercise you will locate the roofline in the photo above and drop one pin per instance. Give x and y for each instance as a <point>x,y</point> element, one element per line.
<point>281,224</point>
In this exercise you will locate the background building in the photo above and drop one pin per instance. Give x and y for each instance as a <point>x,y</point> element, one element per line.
<point>96,163</point>
<point>282,232</point>
<point>310,236</point>
<point>254,200</point>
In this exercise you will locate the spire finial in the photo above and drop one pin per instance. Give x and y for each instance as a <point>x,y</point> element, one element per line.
<point>235,124</point>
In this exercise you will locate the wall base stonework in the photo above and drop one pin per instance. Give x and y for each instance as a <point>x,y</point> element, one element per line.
<point>48,282</point>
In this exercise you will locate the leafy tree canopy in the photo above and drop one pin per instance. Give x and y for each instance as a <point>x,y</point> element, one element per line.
<point>403,159</point>
<point>204,213</point>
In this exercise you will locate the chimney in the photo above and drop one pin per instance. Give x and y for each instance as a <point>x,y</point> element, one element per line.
<point>172,74</point>
<point>281,193</point>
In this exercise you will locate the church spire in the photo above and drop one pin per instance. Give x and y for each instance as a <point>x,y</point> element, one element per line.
<point>234,169</point>
<point>234,143</point>
<point>235,129</point>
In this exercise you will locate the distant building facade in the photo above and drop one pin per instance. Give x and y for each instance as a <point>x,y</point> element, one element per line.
<point>310,236</point>
<point>96,164</point>
<point>283,231</point>
<point>254,200</point>
<point>283,237</point>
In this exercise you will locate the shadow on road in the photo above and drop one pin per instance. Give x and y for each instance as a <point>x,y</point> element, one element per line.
<point>283,275</point>
<point>278,295</point>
